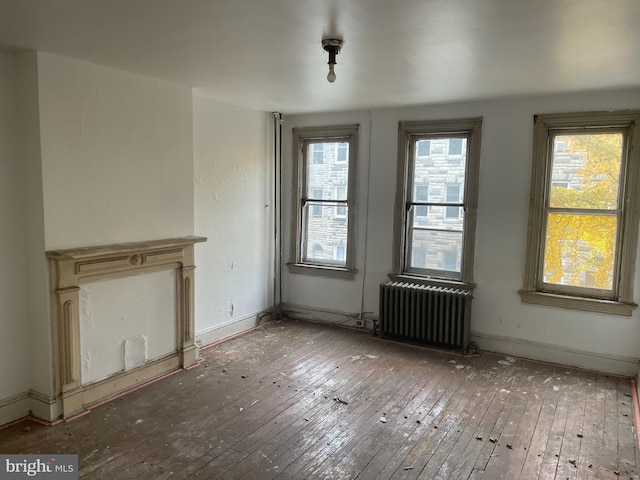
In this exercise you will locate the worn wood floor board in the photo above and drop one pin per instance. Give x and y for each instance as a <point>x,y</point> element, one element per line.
<point>362,448</point>
<point>317,407</point>
<point>475,428</point>
<point>220,405</point>
<point>296,400</point>
<point>396,442</point>
<point>318,422</point>
<point>397,380</point>
<point>318,376</point>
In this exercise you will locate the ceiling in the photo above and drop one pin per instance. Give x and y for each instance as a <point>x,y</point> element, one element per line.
<point>267,54</point>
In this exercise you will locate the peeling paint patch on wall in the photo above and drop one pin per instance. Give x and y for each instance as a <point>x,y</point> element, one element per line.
<point>134,352</point>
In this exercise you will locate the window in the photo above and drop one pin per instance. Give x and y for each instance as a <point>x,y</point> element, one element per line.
<point>424,148</point>
<point>323,229</point>
<point>583,230</point>
<point>315,202</point>
<point>434,226</point>
<point>342,151</point>
<point>455,146</point>
<point>421,195</point>
<point>318,154</point>
<point>453,197</point>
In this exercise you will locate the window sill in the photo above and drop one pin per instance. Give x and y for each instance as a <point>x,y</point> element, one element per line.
<point>322,270</point>
<point>578,303</point>
<point>436,282</point>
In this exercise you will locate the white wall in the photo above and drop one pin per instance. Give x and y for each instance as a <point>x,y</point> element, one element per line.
<point>500,321</point>
<point>116,155</point>
<point>233,178</point>
<point>116,166</point>
<point>14,326</point>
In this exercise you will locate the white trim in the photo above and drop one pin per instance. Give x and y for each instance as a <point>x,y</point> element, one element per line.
<point>546,352</point>
<point>227,329</point>
<point>45,406</point>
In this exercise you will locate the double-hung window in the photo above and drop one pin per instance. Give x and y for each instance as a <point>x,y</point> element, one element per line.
<point>436,200</point>
<point>583,219</point>
<point>323,220</point>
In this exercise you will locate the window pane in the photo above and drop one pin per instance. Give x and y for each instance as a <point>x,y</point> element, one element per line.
<point>436,250</point>
<point>330,173</point>
<point>439,170</point>
<point>580,250</point>
<point>326,236</point>
<point>585,171</point>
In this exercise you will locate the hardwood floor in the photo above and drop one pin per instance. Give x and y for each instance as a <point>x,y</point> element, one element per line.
<point>295,400</point>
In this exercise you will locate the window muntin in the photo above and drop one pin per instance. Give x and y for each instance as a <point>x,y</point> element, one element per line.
<point>583,223</point>
<point>323,223</point>
<point>436,201</point>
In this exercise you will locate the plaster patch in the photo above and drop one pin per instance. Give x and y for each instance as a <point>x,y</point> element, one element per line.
<point>86,361</point>
<point>216,201</point>
<point>135,352</point>
<point>86,307</point>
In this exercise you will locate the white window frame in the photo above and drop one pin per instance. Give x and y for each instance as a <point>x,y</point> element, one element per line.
<point>302,139</point>
<point>408,134</point>
<point>535,290</point>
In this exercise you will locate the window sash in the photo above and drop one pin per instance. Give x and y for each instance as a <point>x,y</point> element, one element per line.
<point>618,213</point>
<point>306,227</point>
<point>411,205</point>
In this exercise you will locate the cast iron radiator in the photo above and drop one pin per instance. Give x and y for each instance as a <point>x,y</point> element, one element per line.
<point>426,314</point>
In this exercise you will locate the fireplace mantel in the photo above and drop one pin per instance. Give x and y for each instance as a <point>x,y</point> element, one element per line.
<point>73,267</point>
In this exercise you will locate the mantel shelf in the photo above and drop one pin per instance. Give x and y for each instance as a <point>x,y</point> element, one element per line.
<point>88,252</point>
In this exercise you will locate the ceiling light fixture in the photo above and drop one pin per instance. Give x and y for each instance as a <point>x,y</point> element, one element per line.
<point>333,46</point>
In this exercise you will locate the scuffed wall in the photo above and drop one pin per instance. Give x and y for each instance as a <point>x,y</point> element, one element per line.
<point>234,209</point>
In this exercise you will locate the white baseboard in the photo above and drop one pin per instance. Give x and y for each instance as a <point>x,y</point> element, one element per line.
<point>606,363</point>
<point>227,329</point>
<point>324,315</point>
<point>45,406</point>
<point>14,407</point>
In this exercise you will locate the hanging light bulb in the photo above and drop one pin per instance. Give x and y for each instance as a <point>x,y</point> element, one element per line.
<point>332,46</point>
<point>331,76</point>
